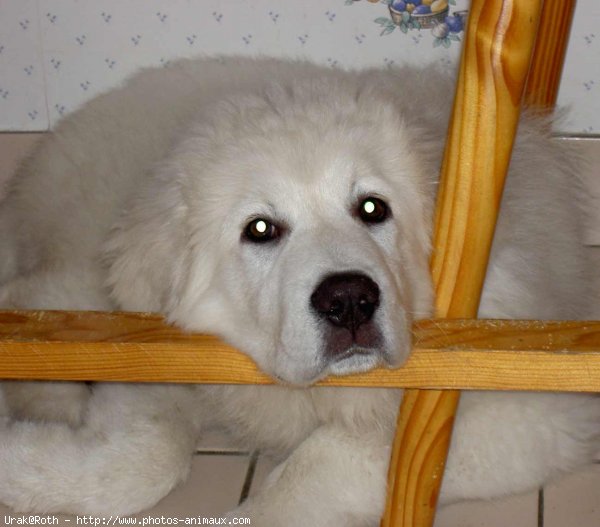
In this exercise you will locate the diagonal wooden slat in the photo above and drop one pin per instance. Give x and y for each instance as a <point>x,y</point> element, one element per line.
<point>549,54</point>
<point>496,54</point>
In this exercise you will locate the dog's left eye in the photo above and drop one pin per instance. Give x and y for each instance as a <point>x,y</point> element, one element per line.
<point>373,210</point>
<point>261,230</point>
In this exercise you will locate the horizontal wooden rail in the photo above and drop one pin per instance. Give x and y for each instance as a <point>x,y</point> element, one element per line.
<point>447,354</point>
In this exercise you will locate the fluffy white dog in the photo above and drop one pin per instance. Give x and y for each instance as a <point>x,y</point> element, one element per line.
<point>287,208</point>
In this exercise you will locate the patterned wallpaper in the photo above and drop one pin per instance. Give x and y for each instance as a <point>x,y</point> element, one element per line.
<point>56,54</point>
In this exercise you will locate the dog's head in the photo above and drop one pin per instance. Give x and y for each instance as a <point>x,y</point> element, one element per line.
<point>294,224</point>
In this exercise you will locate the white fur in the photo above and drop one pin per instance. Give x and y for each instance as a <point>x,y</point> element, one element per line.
<point>138,201</point>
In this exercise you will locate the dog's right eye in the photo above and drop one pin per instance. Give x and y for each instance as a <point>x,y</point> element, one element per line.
<point>261,230</point>
<point>373,210</point>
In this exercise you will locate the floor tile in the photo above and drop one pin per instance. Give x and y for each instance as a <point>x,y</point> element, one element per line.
<point>516,511</point>
<point>216,441</point>
<point>213,488</point>
<point>264,466</point>
<point>574,501</point>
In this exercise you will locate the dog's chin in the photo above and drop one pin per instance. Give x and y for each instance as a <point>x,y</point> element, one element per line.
<point>355,360</point>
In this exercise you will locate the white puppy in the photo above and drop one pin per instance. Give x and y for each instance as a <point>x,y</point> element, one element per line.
<point>287,208</point>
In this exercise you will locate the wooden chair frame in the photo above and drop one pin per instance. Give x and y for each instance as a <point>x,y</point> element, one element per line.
<point>450,353</point>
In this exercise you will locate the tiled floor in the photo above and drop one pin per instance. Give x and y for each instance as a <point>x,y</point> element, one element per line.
<point>221,475</point>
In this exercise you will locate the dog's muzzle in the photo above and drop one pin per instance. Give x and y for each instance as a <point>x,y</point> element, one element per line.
<point>347,302</point>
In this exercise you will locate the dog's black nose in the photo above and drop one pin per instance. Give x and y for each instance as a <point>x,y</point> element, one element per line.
<point>346,299</point>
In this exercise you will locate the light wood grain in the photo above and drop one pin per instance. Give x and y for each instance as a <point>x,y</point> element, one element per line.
<point>496,56</point>
<point>549,54</point>
<point>421,452</point>
<point>141,347</point>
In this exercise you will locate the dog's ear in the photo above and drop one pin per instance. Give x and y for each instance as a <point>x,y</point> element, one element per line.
<point>144,249</point>
<point>148,251</point>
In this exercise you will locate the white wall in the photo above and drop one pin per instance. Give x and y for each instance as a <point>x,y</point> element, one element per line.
<point>55,54</point>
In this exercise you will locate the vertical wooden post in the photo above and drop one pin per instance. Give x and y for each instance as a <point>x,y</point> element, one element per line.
<point>549,54</point>
<point>496,56</point>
